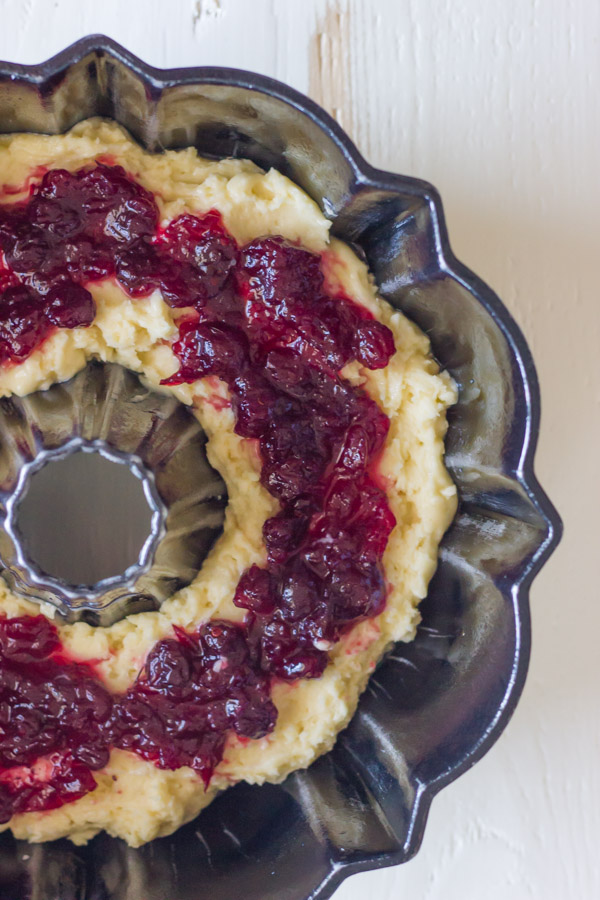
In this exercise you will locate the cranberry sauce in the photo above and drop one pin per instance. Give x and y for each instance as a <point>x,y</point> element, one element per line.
<point>193,690</point>
<point>261,319</point>
<point>58,722</point>
<point>53,716</point>
<point>72,229</point>
<point>280,349</point>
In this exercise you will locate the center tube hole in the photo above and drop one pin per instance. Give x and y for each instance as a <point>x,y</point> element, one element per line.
<point>84,518</point>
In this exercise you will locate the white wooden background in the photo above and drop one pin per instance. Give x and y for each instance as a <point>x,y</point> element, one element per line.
<point>497,103</point>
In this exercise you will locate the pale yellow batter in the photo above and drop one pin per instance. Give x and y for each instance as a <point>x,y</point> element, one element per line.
<point>135,800</point>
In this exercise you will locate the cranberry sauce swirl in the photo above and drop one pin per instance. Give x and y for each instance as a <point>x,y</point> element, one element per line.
<point>260,318</point>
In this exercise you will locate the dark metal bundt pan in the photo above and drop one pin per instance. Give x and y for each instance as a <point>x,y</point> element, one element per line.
<point>435,705</point>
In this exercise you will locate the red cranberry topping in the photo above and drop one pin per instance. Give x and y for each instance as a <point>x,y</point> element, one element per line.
<point>205,245</point>
<point>191,692</point>
<point>58,723</point>
<point>98,222</point>
<point>53,716</point>
<point>74,224</point>
<point>27,638</point>
<point>210,349</point>
<point>26,317</point>
<point>261,319</point>
<point>318,436</point>
<point>69,305</point>
<point>255,590</point>
<point>373,344</point>
<point>54,781</point>
<point>23,325</point>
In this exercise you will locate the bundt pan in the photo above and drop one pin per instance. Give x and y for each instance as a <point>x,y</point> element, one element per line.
<point>435,705</point>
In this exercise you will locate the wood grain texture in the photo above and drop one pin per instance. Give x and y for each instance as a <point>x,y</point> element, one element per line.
<point>497,104</point>
<point>331,65</point>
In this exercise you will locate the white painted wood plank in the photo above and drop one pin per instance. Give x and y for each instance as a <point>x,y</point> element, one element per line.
<point>497,104</point>
<point>267,36</point>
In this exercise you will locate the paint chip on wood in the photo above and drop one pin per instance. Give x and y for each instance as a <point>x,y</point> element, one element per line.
<point>330,82</point>
<point>205,10</point>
